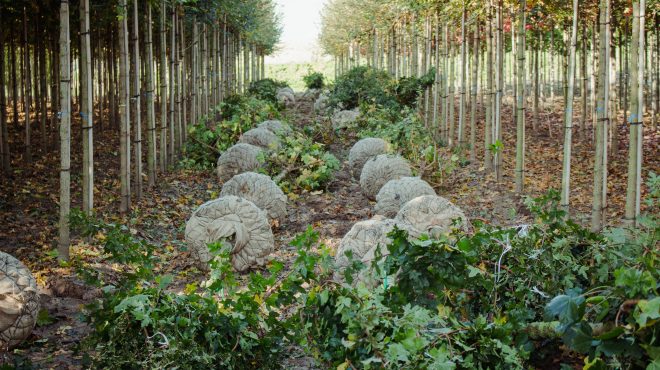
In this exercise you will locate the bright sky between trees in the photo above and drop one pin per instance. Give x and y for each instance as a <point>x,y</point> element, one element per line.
<point>301,20</point>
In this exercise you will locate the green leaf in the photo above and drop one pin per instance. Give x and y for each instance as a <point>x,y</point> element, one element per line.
<point>568,308</point>
<point>647,310</point>
<point>396,352</point>
<point>578,337</point>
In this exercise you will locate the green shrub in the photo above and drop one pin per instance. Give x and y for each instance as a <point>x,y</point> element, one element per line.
<point>314,80</point>
<point>408,89</point>
<point>479,301</point>
<point>363,85</point>
<point>301,164</point>
<point>207,140</point>
<point>266,89</point>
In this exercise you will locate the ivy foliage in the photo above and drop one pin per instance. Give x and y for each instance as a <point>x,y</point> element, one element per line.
<point>236,114</point>
<point>314,80</point>
<point>497,298</point>
<point>301,164</point>
<point>266,89</point>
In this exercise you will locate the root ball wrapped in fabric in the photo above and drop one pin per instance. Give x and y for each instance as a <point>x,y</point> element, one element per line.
<point>395,193</point>
<point>363,150</point>
<point>260,190</point>
<point>239,158</point>
<point>261,137</point>
<point>286,96</point>
<point>275,126</point>
<point>364,236</point>
<point>19,301</point>
<point>431,215</point>
<point>380,169</point>
<point>321,104</point>
<point>344,118</point>
<point>236,221</point>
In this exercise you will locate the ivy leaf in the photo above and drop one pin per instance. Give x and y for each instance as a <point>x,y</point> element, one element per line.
<point>569,308</point>
<point>396,352</point>
<point>579,337</point>
<point>647,310</point>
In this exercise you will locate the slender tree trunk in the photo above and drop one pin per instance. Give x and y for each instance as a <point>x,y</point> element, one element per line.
<point>4,139</point>
<point>14,82</point>
<point>183,120</point>
<point>537,83</point>
<point>520,101</point>
<point>151,113</point>
<point>124,110</point>
<point>137,117</point>
<point>450,96</point>
<point>195,74</point>
<point>436,85</point>
<point>43,93</point>
<point>461,108</point>
<point>488,134</point>
<point>499,74</point>
<point>583,86</point>
<point>594,81</point>
<point>86,109</point>
<point>600,163</point>
<point>163,89</point>
<point>28,88</point>
<point>444,124</point>
<point>614,119</point>
<point>172,87</point>
<point>65,133</point>
<point>636,118</point>
<point>475,86</point>
<point>568,116</point>
<point>179,85</point>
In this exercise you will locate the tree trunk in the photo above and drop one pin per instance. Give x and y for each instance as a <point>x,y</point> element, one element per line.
<point>499,74</point>
<point>137,117</point>
<point>4,139</point>
<point>583,86</point>
<point>124,110</point>
<point>520,101</point>
<point>43,92</point>
<point>151,114</point>
<point>537,83</point>
<point>568,116</point>
<point>86,109</point>
<point>601,129</point>
<point>475,87</point>
<point>65,133</point>
<point>163,89</point>
<point>172,87</point>
<point>461,107</point>
<point>488,134</point>
<point>28,88</point>
<point>636,118</point>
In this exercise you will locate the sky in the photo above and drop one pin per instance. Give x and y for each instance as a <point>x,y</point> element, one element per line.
<point>301,20</point>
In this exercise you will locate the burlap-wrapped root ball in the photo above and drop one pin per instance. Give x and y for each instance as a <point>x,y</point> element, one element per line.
<point>239,158</point>
<point>380,169</point>
<point>310,94</point>
<point>275,126</point>
<point>363,150</point>
<point>321,104</point>
<point>344,118</point>
<point>236,221</point>
<point>431,215</point>
<point>395,193</point>
<point>261,137</point>
<point>362,237</point>
<point>286,96</point>
<point>260,190</point>
<point>19,301</point>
